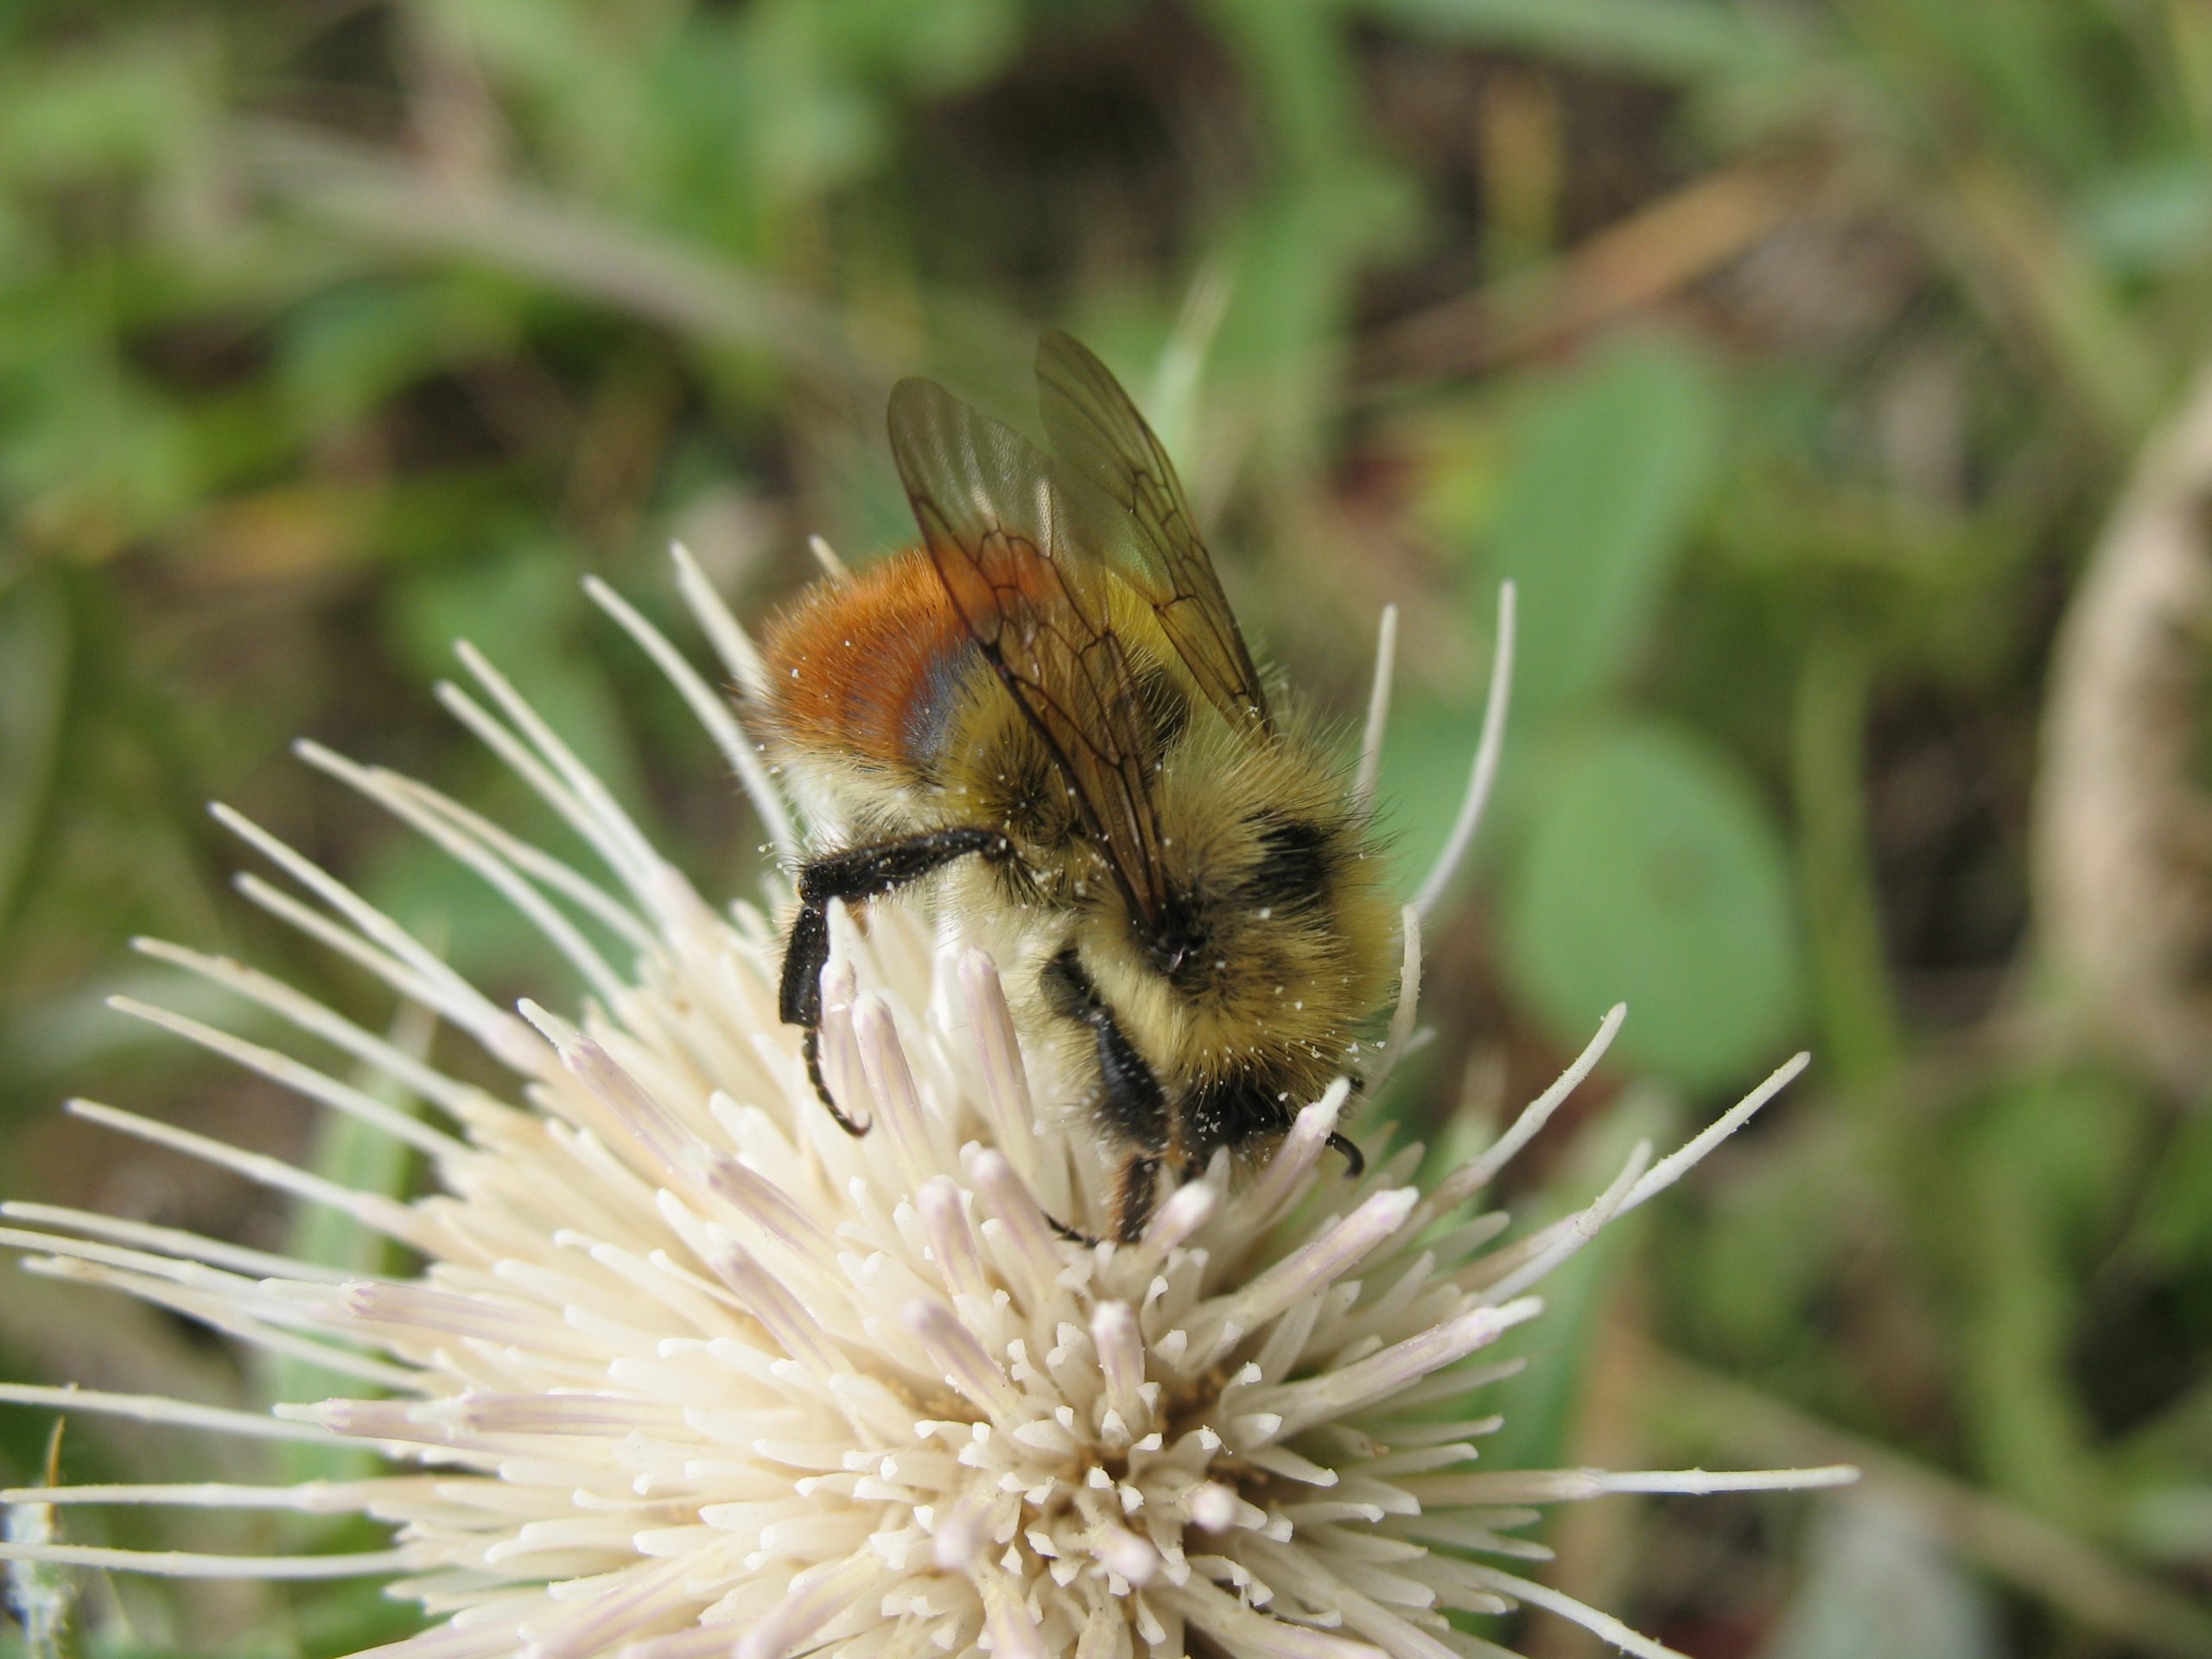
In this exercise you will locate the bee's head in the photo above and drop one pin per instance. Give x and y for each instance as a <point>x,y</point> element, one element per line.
<point>1273,949</point>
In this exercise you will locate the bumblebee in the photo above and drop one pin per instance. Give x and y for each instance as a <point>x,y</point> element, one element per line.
<point>1046,712</point>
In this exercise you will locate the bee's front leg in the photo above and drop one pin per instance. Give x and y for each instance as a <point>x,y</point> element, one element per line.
<point>854,875</point>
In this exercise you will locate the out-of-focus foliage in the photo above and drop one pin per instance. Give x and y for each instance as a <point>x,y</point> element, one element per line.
<point>1787,354</point>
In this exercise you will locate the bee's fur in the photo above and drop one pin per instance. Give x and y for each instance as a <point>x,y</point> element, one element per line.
<point>1250,1000</point>
<point>1047,714</point>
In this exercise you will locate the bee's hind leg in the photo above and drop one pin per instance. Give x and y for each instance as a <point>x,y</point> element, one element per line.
<point>852,875</point>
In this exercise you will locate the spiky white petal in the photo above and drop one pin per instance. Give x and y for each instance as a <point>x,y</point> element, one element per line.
<point>688,1371</point>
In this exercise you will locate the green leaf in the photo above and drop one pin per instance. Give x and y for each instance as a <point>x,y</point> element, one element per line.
<point>1427,749</point>
<point>2152,217</point>
<point>1609,458</point>
<point>2172,1223</point>
<point>523,606</point>
<point>345,353</point>
<point>1786,1214</point>
<point>130,102</point>
<point>939,48</point>
<point>1653,873</point>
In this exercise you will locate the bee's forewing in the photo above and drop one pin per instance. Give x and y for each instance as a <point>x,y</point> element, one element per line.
<point>1006,543</point>
<point>1102,444</point>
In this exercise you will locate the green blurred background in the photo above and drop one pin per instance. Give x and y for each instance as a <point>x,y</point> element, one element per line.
<point>1793,355</point>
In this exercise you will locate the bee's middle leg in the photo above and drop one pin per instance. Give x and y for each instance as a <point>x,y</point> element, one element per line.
<point>852,875</point>
<point>1132,1105</point>
<point>1355,1160</point>
<point>1134,1196</point>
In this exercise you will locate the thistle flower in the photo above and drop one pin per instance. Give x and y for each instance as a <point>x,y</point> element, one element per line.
<point>684,1370</point>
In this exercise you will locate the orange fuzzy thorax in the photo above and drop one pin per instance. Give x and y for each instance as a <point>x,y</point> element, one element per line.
<point>853,666</point>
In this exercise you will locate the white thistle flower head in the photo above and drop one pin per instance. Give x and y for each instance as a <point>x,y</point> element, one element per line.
<point>684,1370</point>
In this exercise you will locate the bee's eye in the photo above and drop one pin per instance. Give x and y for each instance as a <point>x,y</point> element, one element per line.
<point>1293,869</point>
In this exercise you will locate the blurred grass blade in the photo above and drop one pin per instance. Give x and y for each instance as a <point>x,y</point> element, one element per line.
<point>361,1158</point>
<point>1664,40</point>
<point>1880,1587</point>
<point>35,653</point>
<point>1543,1404</point>
<point>555,243</point>
<point>2049,1563</point>
<point>1862,1030</point>
<point>39,1594</point>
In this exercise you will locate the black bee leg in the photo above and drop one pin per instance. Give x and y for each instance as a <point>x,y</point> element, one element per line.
<point>1134,1197</point>
<point>810,1046</point>
<point>1073,1235</point>
<point>852,876</point>
<point>1132,1107</point>
<point>1355,1160</point>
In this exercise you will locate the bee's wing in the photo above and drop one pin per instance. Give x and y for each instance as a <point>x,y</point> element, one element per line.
<point>1006,547</point>
<point>1100,438</point>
